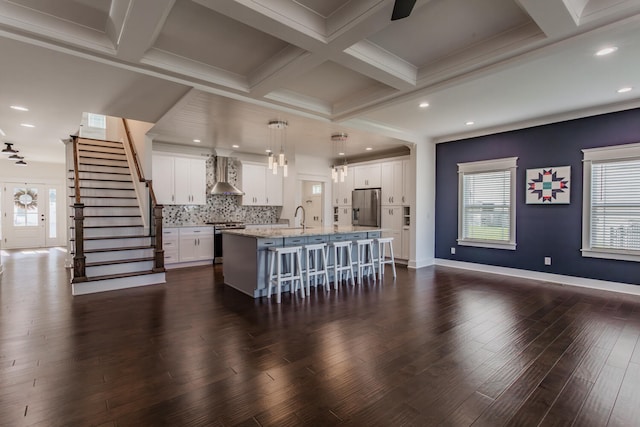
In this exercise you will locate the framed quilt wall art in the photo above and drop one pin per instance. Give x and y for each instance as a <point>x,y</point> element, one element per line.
<point>549,185</point>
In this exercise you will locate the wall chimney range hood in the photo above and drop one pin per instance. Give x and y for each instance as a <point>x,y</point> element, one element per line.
<point>222,187</point>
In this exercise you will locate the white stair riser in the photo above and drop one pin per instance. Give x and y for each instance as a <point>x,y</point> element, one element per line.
<point>115,150</point>
<point>119,255</point>
<point>90,201</point>
<point>113,232</point>
<point>107,211</point>
<point>92,222</point>
<point>115,284</point>
<point>100,168</point>
<point>129,267</point>
<point>114,144</point>
<point>117,243</point>
<point>106,193</point>
<point>93,175</point>
<point>87,183</point>
<point>101,162</point>
<point>105,156</point>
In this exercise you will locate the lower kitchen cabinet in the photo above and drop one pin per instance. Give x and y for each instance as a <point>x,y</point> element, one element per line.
<point>189,245</point>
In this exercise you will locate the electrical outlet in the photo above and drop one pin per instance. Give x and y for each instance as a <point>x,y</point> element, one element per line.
<point>547,260</point>
<point>453,251</point>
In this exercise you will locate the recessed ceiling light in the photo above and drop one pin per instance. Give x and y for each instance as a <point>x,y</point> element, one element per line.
<point>606,51</point>
<point>235,146</point>
<point>368,148</point>
<point>424,105</point>
<point>625,89</point>
<point>469,123</point>
<point>27,125</point>
<point>340,154</point>
<point>267,150</point>
<point>19,108</point>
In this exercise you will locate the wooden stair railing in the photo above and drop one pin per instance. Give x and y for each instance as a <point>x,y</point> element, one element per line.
<point>79,259</point>
<point>155,214</point>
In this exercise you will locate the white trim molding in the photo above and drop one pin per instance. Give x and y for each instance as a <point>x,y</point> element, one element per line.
<point>581,282</point>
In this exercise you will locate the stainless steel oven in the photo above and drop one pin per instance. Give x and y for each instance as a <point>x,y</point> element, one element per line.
<point>217,236</point>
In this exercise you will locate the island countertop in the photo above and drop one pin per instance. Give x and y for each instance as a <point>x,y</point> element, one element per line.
<point>269,233</point>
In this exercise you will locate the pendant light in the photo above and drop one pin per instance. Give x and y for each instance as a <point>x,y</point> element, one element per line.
<point>278,136</point>
<point>340,171</point>
<point>8,149</point>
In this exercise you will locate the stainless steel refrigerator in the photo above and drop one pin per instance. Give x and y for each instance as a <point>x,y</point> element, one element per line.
<point>366,207</point>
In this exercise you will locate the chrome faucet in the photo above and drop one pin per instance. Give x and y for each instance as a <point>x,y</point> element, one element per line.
<point>304,214</point>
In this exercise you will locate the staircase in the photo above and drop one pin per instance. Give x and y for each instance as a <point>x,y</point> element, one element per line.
<point>109,230</point>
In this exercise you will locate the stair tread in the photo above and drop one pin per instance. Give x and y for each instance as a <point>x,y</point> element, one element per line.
<point>118,276</point>
<point>110,216</point>
<point>119,261</point>
<point>101,179</point>
<point>81,140</point>
<point>113,237</point>
<point>109,226</point>
<point>103,188</point>
<point>109,173</point>
<point>106,197</point>
<point>107,206</point>
<point>118,249</point>
<point>106,166</point>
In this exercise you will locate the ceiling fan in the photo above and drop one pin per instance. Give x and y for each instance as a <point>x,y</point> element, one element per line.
<point>402,9</point>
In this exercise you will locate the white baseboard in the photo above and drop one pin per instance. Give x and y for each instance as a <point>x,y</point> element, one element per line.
<point>84,288</point>
<point>415,264</point>
<point>581,282</point>
<point>188,264</point>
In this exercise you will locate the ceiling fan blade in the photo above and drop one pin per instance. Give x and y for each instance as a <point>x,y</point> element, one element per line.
<point>402,9</point>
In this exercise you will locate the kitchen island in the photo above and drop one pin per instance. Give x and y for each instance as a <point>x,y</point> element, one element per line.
<point>245,265</point>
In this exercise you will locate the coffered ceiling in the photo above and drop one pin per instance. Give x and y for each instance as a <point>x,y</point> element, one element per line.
<point>218,70</point>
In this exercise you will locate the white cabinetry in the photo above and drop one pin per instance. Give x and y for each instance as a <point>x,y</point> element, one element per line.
<point>261,187</point>
<point>366,176</point>
<point>344,215</point>
<point>392,183</point>
<point>188,245</point>
<point>342,191</point>
<point>391,218</point>
<point>179,180</point>
<point>407,183</point>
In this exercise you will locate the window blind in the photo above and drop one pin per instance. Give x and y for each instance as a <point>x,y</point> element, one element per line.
<point>615,205</point>
<point>486,206</point>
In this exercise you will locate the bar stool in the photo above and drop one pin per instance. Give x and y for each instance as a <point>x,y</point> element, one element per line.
<point>289,272</point>
<point>315,256</point>
<point>382,244</point>
<point>342,262</point>
<point>366,258</point>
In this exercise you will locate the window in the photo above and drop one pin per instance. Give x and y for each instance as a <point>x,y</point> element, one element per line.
<point>611,208</point>
<point>486,203</point>
<point>316,189</point>
<point>97,121</point>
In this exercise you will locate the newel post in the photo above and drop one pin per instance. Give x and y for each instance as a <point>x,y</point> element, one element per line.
<point>159,250</point>
<point>79,259</point>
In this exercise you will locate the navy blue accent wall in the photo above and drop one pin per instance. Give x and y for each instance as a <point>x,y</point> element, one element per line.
<point>541,230</point>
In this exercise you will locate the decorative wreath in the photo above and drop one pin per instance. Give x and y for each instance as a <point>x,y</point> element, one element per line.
<point>26,198</point>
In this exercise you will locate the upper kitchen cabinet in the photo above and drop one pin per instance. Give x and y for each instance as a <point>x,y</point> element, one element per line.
<point>179,180</point>
<point>366,176</point>
<point>396,183</point>
<point>341,190</point>
<point>261,187</point>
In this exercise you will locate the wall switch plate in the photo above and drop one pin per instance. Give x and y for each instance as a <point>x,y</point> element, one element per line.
<point>547,260</point>
<point>453,251</point>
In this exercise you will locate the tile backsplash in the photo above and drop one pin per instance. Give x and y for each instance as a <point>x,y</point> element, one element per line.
<point>220,208</point>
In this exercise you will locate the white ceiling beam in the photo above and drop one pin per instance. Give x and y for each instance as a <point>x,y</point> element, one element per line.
<point>140,28</point>
<point>379,64</point>
<point>555,18</point>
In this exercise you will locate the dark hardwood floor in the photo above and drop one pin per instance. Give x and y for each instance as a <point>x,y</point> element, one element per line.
<point>438,346</point>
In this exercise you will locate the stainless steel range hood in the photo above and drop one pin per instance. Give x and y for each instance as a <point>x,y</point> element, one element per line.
<point>222,187</point>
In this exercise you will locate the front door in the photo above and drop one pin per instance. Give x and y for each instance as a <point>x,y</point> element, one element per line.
<point>30,215</point>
